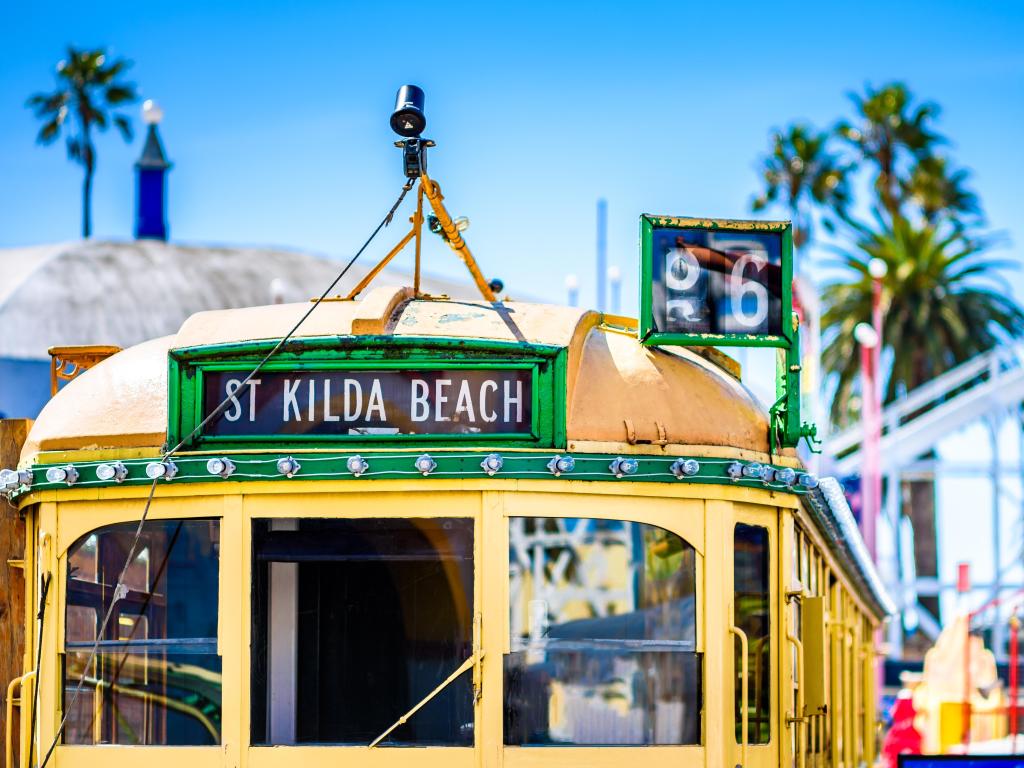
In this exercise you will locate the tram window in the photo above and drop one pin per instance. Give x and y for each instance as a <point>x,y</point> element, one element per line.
<point>753,615</point>
<point>603,635</point>
<point>354,623</point>
<point>156,677</point>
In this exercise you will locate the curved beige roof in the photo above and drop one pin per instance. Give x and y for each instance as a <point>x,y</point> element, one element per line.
<point>646,400</point>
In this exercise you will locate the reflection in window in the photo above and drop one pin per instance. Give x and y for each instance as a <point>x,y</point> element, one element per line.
<point>752,615</point>
<point>354,623</point>
<point>603,635</point>
<point>156,677</point>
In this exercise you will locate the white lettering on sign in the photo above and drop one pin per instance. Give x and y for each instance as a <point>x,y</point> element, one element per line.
<point>518,400</point>
<point>493,386</point>
<point>328,416</point>
<point>376,402</point>
<point>230,389</point>
<point>743,288</point>
<point>291,400</point>
<point>465,403</point>
<point>353,399</point>
<point>420,407</point>
<point>440,399</point>
<point>447,401</point>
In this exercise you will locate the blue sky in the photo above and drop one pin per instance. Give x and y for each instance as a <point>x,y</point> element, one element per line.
<point>276,120</point>
<point>276,115</point>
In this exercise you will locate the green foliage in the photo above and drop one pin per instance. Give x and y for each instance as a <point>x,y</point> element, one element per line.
<point>800,172</point>
<point>942,299</point>
<point>88,90</point>
<point>889,133</point>
<point>936,190</point>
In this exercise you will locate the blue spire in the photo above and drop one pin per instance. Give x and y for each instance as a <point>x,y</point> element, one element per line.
<point>151,180</point>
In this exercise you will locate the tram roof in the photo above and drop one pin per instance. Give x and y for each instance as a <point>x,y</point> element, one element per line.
<point>621,396</point>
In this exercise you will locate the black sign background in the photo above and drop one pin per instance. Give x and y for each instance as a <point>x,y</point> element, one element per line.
<point>717,281</point>
<point>432,402</point>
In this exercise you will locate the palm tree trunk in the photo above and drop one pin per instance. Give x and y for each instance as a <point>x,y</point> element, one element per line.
<point>87,200</point>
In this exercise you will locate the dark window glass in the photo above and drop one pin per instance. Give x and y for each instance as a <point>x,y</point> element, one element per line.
<point>357,621</point>
<point>753,616</point>
<point>156,678</point>
<point>603,635</point>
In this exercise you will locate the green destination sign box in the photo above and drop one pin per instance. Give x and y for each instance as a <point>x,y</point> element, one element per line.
<point>716,282</point>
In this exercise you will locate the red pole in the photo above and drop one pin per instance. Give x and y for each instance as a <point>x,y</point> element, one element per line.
<point>870,475</point>
<point>876,374</point>
<point>1014,626</point>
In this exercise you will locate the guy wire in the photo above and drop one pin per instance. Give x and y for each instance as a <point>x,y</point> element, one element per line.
<point>119,585</point>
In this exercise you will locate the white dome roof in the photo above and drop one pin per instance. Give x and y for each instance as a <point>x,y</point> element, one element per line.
<point>123,293</point>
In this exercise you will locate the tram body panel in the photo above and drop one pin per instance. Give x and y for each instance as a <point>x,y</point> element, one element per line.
<point>598,614</point>
<point>707,524</point>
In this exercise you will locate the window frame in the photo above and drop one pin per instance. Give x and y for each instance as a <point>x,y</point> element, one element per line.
<point>682,516</point>
<point>345,501</point>
<point>76,521</point>
<point>778,522</point>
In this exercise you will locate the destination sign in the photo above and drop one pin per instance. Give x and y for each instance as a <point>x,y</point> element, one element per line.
<point>383,402</point>
<point>714,281</point>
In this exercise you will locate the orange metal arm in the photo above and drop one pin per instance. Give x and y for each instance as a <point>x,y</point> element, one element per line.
<point>433,193</point>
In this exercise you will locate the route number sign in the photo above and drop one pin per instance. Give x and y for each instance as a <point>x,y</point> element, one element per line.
<point>715,282</point>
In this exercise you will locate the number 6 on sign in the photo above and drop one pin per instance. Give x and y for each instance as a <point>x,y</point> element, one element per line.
<point>743,288</point>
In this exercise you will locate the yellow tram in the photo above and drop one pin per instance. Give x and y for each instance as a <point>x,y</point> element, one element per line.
<point>435,533</point>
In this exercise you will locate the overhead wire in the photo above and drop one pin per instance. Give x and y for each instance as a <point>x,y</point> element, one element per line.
<point>119,587</point>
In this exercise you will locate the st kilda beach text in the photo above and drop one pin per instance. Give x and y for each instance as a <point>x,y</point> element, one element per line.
<point>400,402</point>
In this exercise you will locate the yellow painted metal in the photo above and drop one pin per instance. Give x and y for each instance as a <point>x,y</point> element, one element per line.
<point>744,697</point>
<point>607,757</point>
<point>454,237</point>
<point>108,755</point>
<point>17,684</point>
<point>417,225</point>
<point>463,667</point>
<point>767,517</point>
<point>869,719</point>
<point>683,517</point>
<point>703,515</point>
<point>718,677</point>
<point>359,757</point>
<point>368,278</point>
<point>814,640</point>
<point>798,719</point>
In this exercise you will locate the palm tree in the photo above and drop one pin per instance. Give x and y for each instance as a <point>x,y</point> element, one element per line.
<point>889,133</point>
<point>937,190</point>
<point>87,90</point>
<point>800,173</point>
<point>943,304</point>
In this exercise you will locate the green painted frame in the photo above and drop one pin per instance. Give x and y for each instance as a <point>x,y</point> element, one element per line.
<point>787,429</point>
<point>651,337</point>
<point>548,364</point>
<point>398,464</point>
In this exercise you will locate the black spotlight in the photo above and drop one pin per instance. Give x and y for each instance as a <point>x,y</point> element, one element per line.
<point>408,119</point>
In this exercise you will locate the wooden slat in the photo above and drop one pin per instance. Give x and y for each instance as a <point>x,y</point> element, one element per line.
<point>13,433</point>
